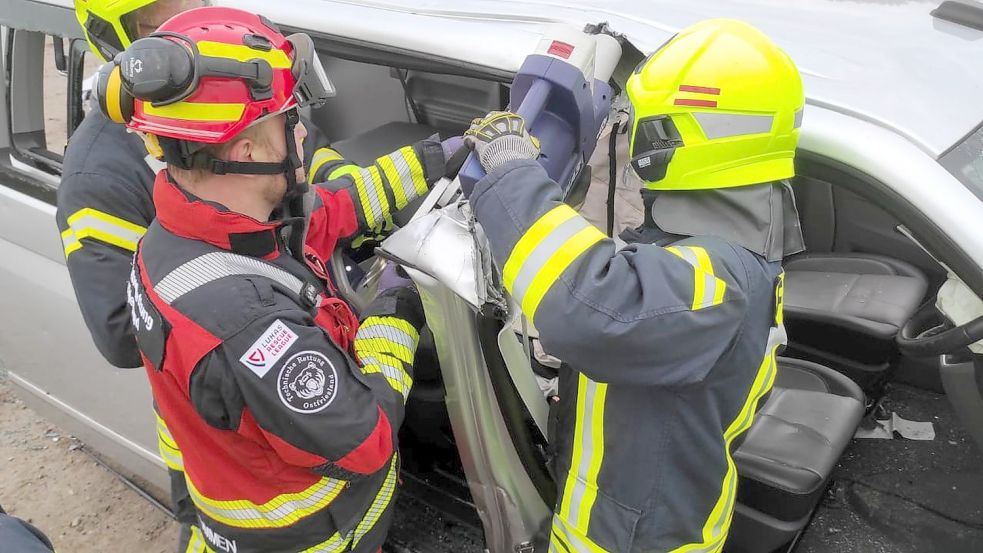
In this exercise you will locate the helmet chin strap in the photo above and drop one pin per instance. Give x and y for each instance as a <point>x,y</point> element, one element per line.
<point>291,207</point>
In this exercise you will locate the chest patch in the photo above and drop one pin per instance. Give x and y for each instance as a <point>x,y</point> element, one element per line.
<point>308,382</point>
<point>268,348</point>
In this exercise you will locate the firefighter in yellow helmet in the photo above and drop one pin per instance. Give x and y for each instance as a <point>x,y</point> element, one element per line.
<point>668,343</point>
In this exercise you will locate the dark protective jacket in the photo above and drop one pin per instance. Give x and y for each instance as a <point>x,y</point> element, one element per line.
<point>104,207</point>
<point>668,351</point>
<point>287,441</point>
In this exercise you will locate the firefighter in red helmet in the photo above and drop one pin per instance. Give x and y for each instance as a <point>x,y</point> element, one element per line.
<point>284,405</point>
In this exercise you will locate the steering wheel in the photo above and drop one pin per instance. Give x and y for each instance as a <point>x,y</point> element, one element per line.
<point>929,334</point>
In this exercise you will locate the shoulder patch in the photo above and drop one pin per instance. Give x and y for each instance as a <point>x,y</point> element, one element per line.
<point>308,382</point>
<point>268,348</point>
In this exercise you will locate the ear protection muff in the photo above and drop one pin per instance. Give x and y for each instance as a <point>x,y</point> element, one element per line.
<point>113,99</point>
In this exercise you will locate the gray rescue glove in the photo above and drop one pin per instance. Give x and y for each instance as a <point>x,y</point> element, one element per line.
<point>500,137</point>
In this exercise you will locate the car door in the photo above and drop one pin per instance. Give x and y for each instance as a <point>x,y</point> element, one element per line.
<point>45,347</point>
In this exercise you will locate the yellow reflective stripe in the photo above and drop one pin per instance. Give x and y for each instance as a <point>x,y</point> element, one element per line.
<point>195,111</point>
<point>717,525</point>
<point>95,224</point>
<point>569,540</point>
<point>580,489</point>
<point>334,544</point>
<point>532,237</point>
<point>281,511</point>
<point>708,290</point>
<point>416,170</point>
<point>321,157</point>
<point>379,505</point>
<point>541,255</point>
<point>394,179</point>
<point>277,58</point>
<point>196,544</point>
<point>70,242</point>
<point>380,191</point>
<point>555,266</point>
<point>371,205</point>
<point>780,300</point>
<point>379,345</point>
<point>395,375</point>
<point>394,322</point>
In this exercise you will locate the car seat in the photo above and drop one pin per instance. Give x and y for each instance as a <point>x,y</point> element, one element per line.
<point>787,456</point>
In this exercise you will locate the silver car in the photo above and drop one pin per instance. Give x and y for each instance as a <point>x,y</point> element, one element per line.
<point>890,168</point>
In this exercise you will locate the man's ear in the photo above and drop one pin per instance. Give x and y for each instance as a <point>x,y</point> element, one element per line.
<point>241,149</point>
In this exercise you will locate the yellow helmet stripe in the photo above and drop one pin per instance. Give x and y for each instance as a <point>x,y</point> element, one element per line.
<point>278,59</point>
<point>192,111</point>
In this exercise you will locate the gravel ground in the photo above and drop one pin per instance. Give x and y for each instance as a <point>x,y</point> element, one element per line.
<point>48,480</point>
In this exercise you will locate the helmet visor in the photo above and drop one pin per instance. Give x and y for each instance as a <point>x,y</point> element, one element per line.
<point>653,142</point>
<point>312,87</point>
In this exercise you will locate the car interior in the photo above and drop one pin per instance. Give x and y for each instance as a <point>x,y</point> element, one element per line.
<point>805,482</point>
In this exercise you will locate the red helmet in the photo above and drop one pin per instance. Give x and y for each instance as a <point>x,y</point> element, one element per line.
<point>208,73</point>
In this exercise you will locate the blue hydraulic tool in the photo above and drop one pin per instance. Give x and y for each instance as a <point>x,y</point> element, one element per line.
<point>561,91</point>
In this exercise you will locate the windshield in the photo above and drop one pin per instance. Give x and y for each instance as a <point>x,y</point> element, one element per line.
<point>965,161</point>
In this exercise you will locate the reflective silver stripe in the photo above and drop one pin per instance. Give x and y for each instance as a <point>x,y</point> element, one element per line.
<point>334,544</point>
<point>405,175</point>
<point>388,332</point>
<point>98,225</point>
<point>196,544</point>
<point>213,266</point>
<point>280,511</point>
<point>366,186</point>
<point>398,378</point>
<point>575,508</point>
<point>711,284</point>
<point>538,257</point>
<point>798,119</point>
<point>379,504</point>
<point>721,125</point>
<point>569,541</point>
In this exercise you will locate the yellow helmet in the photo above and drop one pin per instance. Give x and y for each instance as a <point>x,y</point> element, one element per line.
<point>108,24</point>
<point>717,106</point>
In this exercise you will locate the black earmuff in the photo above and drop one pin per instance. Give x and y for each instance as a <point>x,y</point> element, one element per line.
<point>158,70</point>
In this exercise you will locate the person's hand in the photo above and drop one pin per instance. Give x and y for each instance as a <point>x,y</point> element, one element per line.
<point>500,137</point>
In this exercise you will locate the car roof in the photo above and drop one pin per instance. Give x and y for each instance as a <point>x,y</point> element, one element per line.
<point>885,61</point>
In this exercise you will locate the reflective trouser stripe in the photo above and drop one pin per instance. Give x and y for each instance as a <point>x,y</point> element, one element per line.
<point>283,510</point>
<point>580,490</point>
<point>397,378</point>
<point>95,224</point>
<point>334,544</point>
<point>567,540</point>
<point>388,335</point>
<point>169,451</point>
<point>379,505</point>
<point>780,300</point>
<point>718,522</point>
<point>196,544</point>
<point>321,157</point>
<point>544,252</point>
<point>708,290</point>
